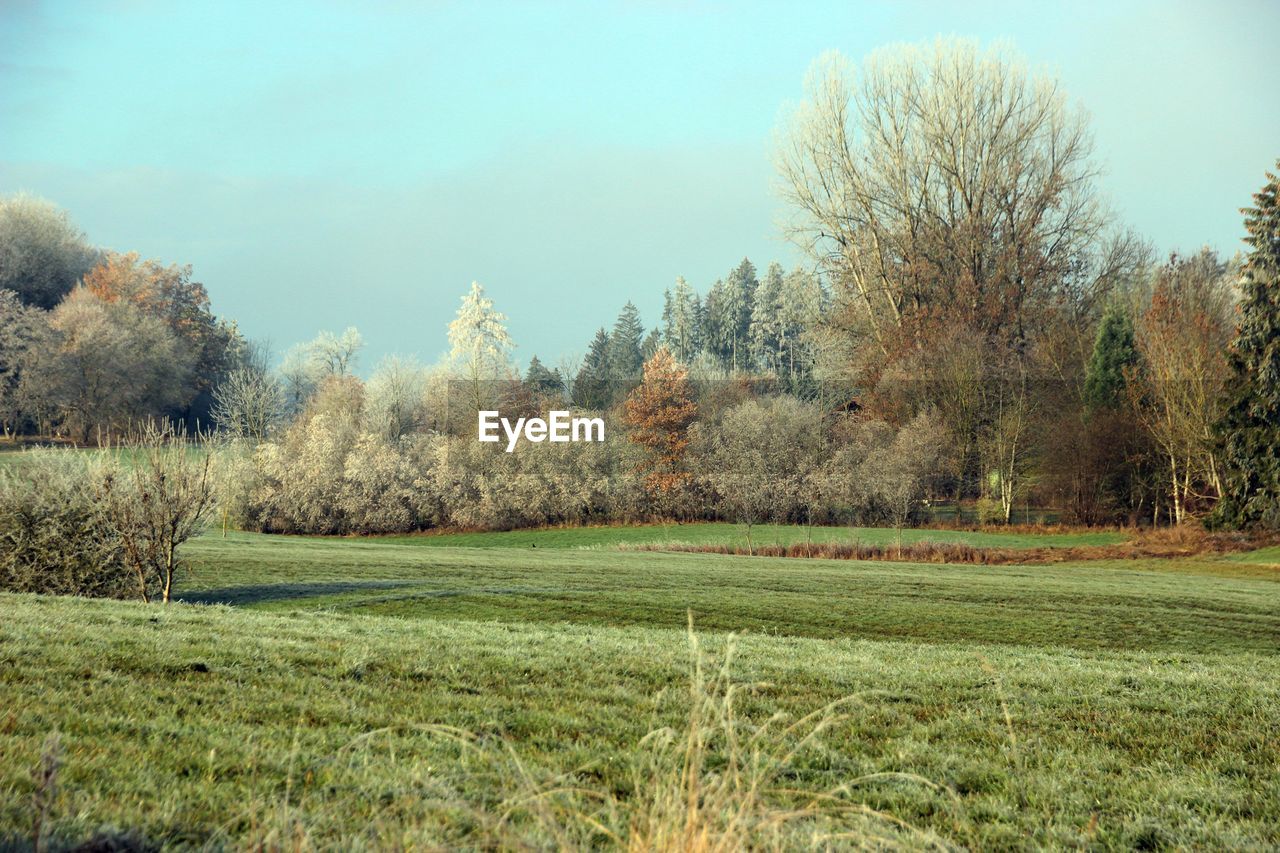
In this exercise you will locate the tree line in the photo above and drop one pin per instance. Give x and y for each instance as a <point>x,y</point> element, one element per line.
<point>973,326</point>
<point>94,341</point>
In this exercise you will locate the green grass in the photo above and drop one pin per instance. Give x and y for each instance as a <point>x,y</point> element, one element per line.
<point>715,533</point>
<point>1081,606</point>
<point>1143,697</point>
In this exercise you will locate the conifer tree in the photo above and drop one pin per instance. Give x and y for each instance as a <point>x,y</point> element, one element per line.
<point>739,299</point>
<point>541,380</point>
<point>680,332</point>
<point>652,343</point>
<point>1113,352</point>
<point>625,355</point>
<point>801,306</point>
<point>591,387</point>
<point>479,346</point>
<point>716,332</point>
<point>766,319</point>
<point>1249,431</point>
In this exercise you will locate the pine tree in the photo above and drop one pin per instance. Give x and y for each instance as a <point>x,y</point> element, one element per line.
<point>1113,351</point>
<point>803,302</point>
<point>668,316</point>
<point>739,299</point>
<point>625,357</point>
<point>1249,431</point>
<point>479,345</point>
<point>766,319</point>
<point>680,334</point>
<point>541,380</point>
<point>717,335</point>
<point>701,343</point>
<point>591,387</point>
<point>652,343</point>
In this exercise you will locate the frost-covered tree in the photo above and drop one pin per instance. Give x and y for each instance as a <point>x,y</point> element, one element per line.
<point>801,306</point>
<point>759,458</point>
<point>42,253</point>
<point>306,366</point>
<point>248,403</point>
<point>766,320</point>
<point>479,345</point>
<point>395,398</point>
<point>24,331</point>
<point>336,355</point>
<point>681,329</point>
<point>115,365</point>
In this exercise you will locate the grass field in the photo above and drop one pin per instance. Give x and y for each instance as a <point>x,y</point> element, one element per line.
<point>735,534</point>
<point>1110,705</point>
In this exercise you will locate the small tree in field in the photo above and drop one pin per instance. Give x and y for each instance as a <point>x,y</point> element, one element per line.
<point>155,501</point>
<point>1249,431</point>
<point>659,412</point>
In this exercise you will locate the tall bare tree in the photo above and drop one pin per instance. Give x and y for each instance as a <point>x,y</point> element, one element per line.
<point>1182,339</point>
<point>943,184</point>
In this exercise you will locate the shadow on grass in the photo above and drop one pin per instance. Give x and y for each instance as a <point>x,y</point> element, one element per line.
<point>259,593</point>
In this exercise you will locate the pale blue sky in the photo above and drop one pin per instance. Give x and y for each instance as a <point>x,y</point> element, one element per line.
<point>333,164</point>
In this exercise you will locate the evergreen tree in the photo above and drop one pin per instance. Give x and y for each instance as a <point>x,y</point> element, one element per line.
<point>1113,351</point>
<point>766,319</point>
<point>625,357</point>
<point>541,380</point>
<point>479,346</point>
<point>652,343</point>
<point>701,343</point>
<point>802,305</point>
<point>680,334</point>
<point>736,309</point>
<point>717,337</point>
<point>1249,431</point>
<point>591,387</point>
<point>668,316</point>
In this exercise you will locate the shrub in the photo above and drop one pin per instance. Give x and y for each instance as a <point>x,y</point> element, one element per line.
<point>55,537</point>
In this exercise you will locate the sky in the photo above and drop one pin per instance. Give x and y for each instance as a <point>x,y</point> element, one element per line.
<point>324,164</point>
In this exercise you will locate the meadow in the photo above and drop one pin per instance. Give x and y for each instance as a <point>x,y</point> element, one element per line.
<point>462,690</point>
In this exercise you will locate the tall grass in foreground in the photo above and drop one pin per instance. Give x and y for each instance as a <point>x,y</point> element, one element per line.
<point>717,783</point>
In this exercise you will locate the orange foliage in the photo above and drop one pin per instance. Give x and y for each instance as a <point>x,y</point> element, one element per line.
<point>659,412</point>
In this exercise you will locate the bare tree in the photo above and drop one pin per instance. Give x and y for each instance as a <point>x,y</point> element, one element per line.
<point>397,392</point>
<point>897,473</point>
<point>1182,338</point>
<point>156,500</point>
<point>944,183</point>
<point>760,459</point>
<point>248,403</point>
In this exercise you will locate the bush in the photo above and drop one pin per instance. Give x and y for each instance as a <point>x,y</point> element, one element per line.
<point>55,537</point>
